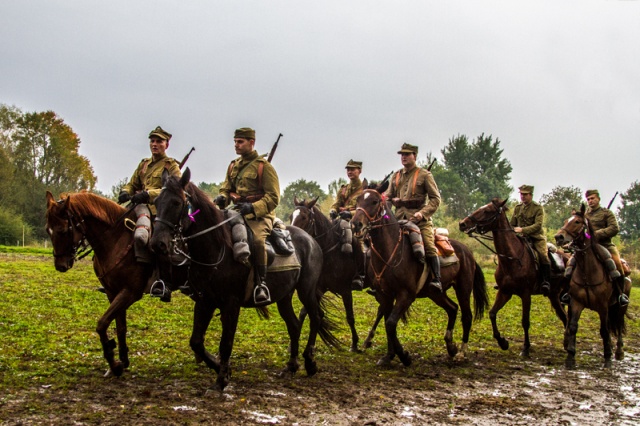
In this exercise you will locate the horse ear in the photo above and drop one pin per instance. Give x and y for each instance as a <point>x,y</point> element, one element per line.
<point>295,201</point>
<point>165,176</point>
<point>186,177</point>
<point>365,183</point>
<point>573,211</point>
<point>582,209</point>
<point>504,202</point>
<point>313,202</point>
<point>383,187</point>
<point>50,199</point>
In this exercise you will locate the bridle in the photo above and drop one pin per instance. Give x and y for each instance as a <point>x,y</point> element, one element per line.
<point>482,226</point>
<point>582,234</point>
<point>375,220</point>
<point>80,249</point>
<point>311,228</point>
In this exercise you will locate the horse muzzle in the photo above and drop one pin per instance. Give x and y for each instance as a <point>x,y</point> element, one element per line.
<point>561,239</point>
<point>466,226</point>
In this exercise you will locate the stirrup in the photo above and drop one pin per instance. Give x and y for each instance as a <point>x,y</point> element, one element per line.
<point>623,300</point>
<point>266,299</point>
<point>161,290</point>
<point>436,284</point>
<point>357,283</point>
<point>546,288</point>
<point>565,299</point>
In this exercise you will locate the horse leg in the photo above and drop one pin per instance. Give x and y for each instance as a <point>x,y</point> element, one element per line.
<point>466,318</point>
<point>372,332</point>
<point>501,300</point>
<point>118,307</point>
<point>229,318</point>
<point>347,301</point>
<point>619,348</point>
<point>202,314</point>
<point>554,299</point>
<point>385,305</point>
<point>442,300</point>
<point>121,331</point>
<point>570,332</point>
<point>294,325</point>
<point>606,336</point>
<point>403,301</point>
<point>526,323</point>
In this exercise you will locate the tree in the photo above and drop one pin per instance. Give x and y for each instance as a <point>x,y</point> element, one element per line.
<point>212,189</point>
<point>301,189</point>
<point>558,205</point>
<point>629,213</point>
<point>335,185</point>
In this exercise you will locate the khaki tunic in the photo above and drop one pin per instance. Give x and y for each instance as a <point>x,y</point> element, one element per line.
<point>148,177</point>
<point>347,196</point>
<point>605,226</point>
<point>530,218</point>
<point>243,180</point>
<point>425,188</point>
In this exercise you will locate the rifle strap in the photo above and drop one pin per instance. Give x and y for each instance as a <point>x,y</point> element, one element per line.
<point>241,172</point>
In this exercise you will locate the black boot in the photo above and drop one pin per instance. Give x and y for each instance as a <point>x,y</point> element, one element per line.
<point>546,279</point>
<point>623,299</point>
<point>261,294</point>
<point>565,299</point>
<point>434,264</point>
<point>357,283</point>
<point>159,288</point>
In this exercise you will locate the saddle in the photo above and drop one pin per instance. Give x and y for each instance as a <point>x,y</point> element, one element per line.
<point>281,254</point>
<point>445,250</point>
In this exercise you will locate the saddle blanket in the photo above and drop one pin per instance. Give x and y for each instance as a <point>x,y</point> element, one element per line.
<point>280,263</point>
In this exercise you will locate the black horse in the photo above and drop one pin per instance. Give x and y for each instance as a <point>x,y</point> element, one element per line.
<point>184,212</point>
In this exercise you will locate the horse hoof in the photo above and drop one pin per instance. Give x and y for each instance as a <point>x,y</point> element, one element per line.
<point>311,368</point>
<point>285,374</point>
<point>503,343</point>
<point>570,364</point>
<point>117,369</point>
<point>619,356</point>
<point>452,350</point>
<point>108,373</point>
<point>355,349</point>
<point>525,353</point>
<point>607,364</point>
<point>385,361</point>
<point>366,344</point>
<point>405,358</point>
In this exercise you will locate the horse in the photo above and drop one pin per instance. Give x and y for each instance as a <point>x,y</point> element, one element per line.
<point>399,278</point>
<point>516,273</point>
<point>590,287</point>
<point>338,268</point>
<point>83,219</point>
<point>184,212</point>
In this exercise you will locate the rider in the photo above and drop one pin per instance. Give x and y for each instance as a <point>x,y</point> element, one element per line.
<point>605,227</point>
<point>252,185</point>
<point>527,220</point>
<point>142,189</point>
<point>344,207</point>
<point>414,193</point>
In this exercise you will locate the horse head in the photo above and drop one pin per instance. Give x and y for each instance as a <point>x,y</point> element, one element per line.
<point>575,226</point>
<point>65,232</point>
<point>371,207</point>
<point>483,219</point>
<point>303,215</point>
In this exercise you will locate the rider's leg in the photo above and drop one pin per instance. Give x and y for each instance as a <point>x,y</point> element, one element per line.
<point>261,228</point>
<point>618,283</point>
<point>431,254</point>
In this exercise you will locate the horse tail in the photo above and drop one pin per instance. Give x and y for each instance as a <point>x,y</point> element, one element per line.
<point>263,312</point>
<point>480,296</point>
<point>617,323</point>
<point>328,324</point>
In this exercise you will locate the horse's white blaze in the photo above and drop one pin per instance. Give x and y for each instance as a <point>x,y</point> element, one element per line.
<point>295,214</point>
<point>366,195</point>
<point>571,219</point>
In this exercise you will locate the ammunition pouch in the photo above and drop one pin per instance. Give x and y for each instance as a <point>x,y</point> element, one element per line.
<point>237,198</point>
<point>346,237</point>
<point>239,237</point>
<point>442,244</point>
<point>411,203</point>
<point>415,238</point>
<point>281,241</point>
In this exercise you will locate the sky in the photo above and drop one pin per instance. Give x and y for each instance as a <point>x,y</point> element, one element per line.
<point>556,82</point>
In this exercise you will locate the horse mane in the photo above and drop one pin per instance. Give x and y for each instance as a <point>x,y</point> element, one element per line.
<point>89,204</point>
<point>200,199</point>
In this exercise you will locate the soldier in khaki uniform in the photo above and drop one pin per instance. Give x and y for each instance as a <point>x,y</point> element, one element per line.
<point>605,227</point>
<point>252,185</point>
<point>527,219</point>
<point>345,205</point>
<point>142,189</point>
<point>414,193</point>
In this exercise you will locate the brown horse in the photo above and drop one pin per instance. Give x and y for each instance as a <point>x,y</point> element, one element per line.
<point>591,288</point>
<point>399,278</point>
<point>516,273</point>
<point>84,219</point>
<point>338,269</point>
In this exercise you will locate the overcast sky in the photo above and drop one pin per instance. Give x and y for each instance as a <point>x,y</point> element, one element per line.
<point>557,82</point>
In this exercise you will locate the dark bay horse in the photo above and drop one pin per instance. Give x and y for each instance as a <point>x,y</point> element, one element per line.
<point>222,283</point>
<point>83,219</point>
<point>590,288</point>
<point>399,278</point>
<point>516,273</point>
<point>338,269</point>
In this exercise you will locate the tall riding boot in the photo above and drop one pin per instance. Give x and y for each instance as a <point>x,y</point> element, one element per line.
<point>546,279</point>
<point>159,288</point>
<point>623,299</point>
<point>357,283</point>
<point>434,264</point>
<point>261,294</point>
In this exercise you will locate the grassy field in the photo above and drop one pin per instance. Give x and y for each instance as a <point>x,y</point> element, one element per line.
<point>47,323</point>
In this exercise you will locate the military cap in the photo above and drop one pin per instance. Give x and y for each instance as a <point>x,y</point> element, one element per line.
<point>245,133</point>
<point>592,192</point>
<point>526,189</point>
<point>408,149</point>
<point>354,165</point>
<point>162,134</point>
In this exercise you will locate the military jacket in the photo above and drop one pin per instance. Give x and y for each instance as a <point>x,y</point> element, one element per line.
<point>243,179</point>
<point>347,196</point>
<point>148,177</point>
<point>530,218</point>
<point>604,224</point>
<point>425,190</point>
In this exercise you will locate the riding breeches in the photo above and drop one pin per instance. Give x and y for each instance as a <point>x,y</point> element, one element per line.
<point>426,229</point>
<point>142,233</point>
<point>615,255</point>
<point>261,228</point>
<point>540,246</point>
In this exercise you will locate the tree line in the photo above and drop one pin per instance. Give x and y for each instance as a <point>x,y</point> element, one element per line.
<point>39,152</point>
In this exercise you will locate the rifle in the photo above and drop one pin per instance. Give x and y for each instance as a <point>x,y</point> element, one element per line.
<point>273,148</point>
<point>611,202</point>
<point>186,157</point>
<point>431,165</point>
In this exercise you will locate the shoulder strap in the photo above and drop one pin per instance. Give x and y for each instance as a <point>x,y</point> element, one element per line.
<point>143,170</point>
<point>260,170</point>
<point>415,179</point>
<point>397,179</point>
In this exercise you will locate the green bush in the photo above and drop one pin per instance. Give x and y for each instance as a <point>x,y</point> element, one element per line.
<point>12,227</point>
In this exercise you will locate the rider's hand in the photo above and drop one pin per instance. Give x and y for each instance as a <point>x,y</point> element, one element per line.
<point>245,208</point>
<point>123,197</point>
<point>333,214</point>
<point>395,201</point>
<point>220,201</point>
<point>518,229</point>
<point>346,215</point>
<point>141,197</point>
<point>418,216</point>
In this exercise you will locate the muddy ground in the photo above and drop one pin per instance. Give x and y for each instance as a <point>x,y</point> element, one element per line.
<point>489,387</point>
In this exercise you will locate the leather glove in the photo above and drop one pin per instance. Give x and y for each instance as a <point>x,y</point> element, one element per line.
<point>333,214</point>
<point>123,197</point>
<point>346,215</point>
<point>220,201</point>
<point>245,208</point>
<point>141,197</point>
<point>395,201</point>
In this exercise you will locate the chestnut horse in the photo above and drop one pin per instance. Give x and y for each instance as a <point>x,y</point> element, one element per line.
<point>399,278</point>
<point>220,282</point>
<point>84,219</point>
<point>338,268</point>
<point>590,288</point>
<point>516,273</point>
